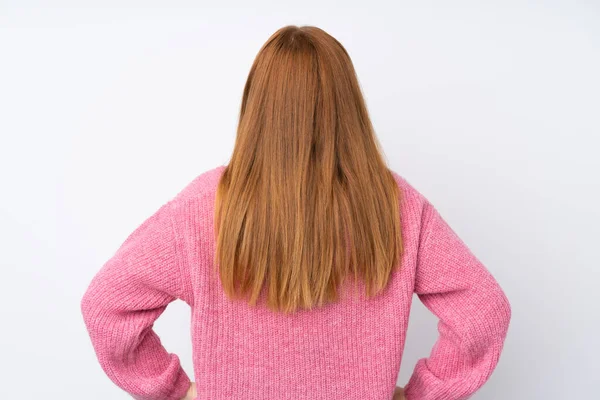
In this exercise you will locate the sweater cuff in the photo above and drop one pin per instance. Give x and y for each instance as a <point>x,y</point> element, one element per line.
<point>181,386</point>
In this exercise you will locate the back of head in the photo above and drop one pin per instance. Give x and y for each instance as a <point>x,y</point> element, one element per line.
<point>306,198</point>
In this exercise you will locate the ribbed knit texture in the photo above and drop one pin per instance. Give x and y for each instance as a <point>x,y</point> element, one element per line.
<point>350,350</point>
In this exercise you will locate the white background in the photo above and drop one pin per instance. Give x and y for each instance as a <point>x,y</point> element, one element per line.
<point>491,109</point>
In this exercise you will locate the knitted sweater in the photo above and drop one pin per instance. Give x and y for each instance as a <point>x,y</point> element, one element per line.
<point>349,350</point>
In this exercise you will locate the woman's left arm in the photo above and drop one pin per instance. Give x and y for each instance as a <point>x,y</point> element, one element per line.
<point>123,300</point>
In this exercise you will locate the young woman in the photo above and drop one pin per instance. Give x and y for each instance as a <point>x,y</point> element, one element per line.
<point>299,259</point>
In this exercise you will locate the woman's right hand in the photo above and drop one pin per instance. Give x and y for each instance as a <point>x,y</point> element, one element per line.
<point>399,393</point>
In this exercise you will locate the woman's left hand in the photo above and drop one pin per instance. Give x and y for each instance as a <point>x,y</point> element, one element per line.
<point>191,393</point>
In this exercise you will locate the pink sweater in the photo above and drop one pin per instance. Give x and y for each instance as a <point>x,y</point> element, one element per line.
<point>350,350</point>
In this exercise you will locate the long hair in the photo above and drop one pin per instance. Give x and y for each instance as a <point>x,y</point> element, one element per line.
<point>306,198</point>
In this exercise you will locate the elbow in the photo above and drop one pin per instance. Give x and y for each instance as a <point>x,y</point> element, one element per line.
<point>87,306</point>
<point>508,313</point>
<point>489,327</point>
<point>487,344</point>
<point>495,314</point>
<point>504,313</point>
<point>496,317</point>
<point>91,307</point>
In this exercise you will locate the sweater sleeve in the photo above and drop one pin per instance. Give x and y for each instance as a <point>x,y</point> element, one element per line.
<point>120,305</point>
<point>473,312</point>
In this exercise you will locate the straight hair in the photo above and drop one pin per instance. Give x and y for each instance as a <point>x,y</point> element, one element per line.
<point>306,199</point>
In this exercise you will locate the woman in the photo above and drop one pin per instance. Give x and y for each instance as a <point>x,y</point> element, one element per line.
<point>299,259</point>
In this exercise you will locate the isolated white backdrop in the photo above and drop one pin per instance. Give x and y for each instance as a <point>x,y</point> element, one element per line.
<point>490,109</point>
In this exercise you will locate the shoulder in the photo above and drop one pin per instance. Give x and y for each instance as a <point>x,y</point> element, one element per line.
<point>409,194</point>
<point>202,186</point>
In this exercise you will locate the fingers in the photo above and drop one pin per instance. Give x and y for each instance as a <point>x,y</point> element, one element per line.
<point>399,393</point>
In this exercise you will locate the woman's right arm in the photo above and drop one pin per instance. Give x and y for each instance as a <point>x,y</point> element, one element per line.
<point>473,311</point>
